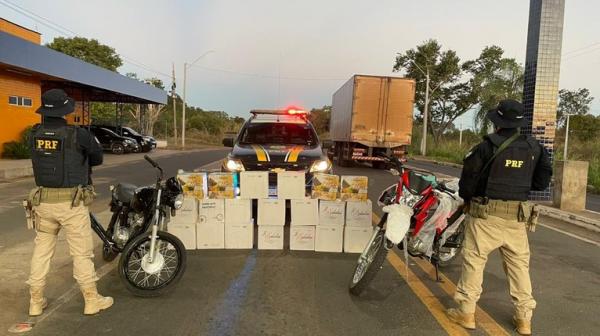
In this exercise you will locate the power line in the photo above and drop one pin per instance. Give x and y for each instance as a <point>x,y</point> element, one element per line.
<point>66,31</point>
<point>248,74</point>
<point>582,48</point>
<point>582,53</point>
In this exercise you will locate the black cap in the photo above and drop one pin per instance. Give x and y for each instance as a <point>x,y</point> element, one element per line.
<point>508,114</point>
<point>56,103</point>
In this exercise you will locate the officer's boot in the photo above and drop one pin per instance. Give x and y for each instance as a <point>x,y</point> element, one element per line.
<point>37,302</point>
<point>522,323</point>
<point>94,302</point>
<point>465,320</point>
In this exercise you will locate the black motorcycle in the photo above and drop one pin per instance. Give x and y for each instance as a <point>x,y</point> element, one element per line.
<point>152,260</point>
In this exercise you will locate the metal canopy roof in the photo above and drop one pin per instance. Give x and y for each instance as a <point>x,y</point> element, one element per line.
<point>55,67</point>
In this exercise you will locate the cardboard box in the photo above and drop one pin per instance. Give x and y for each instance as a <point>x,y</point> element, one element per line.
<point>210,236</point>
<point>188,214</point>
<point>332,212</point>
<point>356,238</point>
<point>271,212</point>
<point>186,233</point>
<point>221,185</point>
<point>193,184</point>
<point>329,238</point>
<point>270,237</point>
<point>325,186</point>
<point>291,184</point>
<point>354,188</point>
<point>238,211</point>
<point>359,213</point>
<point>211,211</point>
<point>302,238</point>
<point>239,236</point>
<point>254,184</point>
<point>304,211</point>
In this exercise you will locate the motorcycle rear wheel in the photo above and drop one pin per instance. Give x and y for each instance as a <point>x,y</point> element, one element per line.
<point>369,263</point>
<point>146,279</point>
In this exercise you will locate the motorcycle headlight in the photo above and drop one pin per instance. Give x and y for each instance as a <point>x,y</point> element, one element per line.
<point>234,165</point>
<point>320,166</point>
<point>178,201</point>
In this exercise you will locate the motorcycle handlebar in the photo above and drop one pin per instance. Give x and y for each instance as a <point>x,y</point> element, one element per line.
<point>152,162</point>
<point>443,187</point>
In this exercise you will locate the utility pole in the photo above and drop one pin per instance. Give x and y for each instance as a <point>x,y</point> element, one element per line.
<point>186,66</point>
<point>566,138</point>
<point>174,105</point>
<point>460,135</point>
<point>425,116</point>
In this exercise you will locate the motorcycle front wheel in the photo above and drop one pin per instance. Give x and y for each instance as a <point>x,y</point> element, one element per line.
<point>369,263</point>
<point>148,279</point>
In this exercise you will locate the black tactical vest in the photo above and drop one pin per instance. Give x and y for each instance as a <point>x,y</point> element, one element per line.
<point>511,172</point>
<point>57,159</point>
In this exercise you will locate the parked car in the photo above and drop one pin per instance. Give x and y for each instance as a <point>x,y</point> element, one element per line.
<point>113,142</point>
<point>146,143</point>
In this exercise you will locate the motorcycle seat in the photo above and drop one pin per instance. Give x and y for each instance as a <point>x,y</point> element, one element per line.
<point>124,192</point>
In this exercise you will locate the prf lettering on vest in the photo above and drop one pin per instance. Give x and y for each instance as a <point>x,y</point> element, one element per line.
<point>46,144</point>
<point>513,163</point>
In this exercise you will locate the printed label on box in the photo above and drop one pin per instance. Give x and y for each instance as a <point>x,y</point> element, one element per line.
<point>302,238</point>
<point>221,185</point>
<point>304,211</point>
<point>210,236</point>
<point>270,237</point>
<point>193,184</point>
<point>331,212</point>
<point>356,238</point>
<point>254,184</point>
<point>359,213</point>
<point>291,185</point>
<point>238,211</point>
<point>329,238</point>
<point>354,188</point>
<point>325,186</point>
<point>271,211</point>
<point>211,211</point>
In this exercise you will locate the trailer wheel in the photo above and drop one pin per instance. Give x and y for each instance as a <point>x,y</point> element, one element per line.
<point>339,152</point>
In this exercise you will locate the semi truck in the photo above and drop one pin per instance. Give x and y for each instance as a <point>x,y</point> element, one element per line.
<point>371,115</point>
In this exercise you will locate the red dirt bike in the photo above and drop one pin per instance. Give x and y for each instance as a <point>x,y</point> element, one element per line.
<point>421,214</point>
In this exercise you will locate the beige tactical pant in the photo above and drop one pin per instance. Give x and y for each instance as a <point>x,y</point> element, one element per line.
<point>482,236</point>
<point>76,224</point>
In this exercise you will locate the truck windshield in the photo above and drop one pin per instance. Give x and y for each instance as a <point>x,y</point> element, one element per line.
<point>279,134</point>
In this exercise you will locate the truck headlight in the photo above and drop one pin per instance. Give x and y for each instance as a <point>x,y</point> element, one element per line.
<point>320,166</point>
<point>234,165</point>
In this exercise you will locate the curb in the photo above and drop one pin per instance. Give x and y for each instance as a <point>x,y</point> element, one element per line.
<point>441,163</point>
<point>582,221</point>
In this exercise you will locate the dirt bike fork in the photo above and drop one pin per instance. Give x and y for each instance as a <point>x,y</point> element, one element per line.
<point>436,264</point>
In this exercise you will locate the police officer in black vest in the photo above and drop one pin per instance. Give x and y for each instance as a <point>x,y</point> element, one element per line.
<point>62,158</point>
<point>497,176</point>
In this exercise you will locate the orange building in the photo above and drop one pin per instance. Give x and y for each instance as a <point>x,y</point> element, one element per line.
<point>27,69</point>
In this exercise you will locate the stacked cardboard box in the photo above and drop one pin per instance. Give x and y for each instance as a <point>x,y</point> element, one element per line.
<point>210,229</point>
<point>359,227</point>
<point>291,185</point>
<point>271,221</point>
<point>183,225</point>
<point>329,235</point>
<point>239,224</point>
<point>304,219</point>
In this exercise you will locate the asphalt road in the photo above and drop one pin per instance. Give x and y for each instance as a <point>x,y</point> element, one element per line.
<point>305,293</point>
<point>592,200</point>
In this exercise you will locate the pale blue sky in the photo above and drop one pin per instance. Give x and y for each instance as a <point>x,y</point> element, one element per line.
<point>313,45</point>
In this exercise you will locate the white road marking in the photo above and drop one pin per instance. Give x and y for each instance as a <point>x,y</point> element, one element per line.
<point>572,235</point>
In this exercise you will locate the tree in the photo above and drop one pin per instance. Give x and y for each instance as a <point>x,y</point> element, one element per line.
<point>449,95</point>
<point>573,102</point>
<point>88,50</point>
<point>146,115</point>
<point>585,127</point>
<point>320,117</point>
<point>494,78</point>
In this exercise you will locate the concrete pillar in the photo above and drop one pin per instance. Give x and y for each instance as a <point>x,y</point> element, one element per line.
<point>570,184</point>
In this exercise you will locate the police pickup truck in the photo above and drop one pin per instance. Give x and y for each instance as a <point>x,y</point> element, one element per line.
<point>275,141</point>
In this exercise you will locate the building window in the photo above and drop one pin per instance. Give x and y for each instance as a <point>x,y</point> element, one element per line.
<point>20,101</point>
